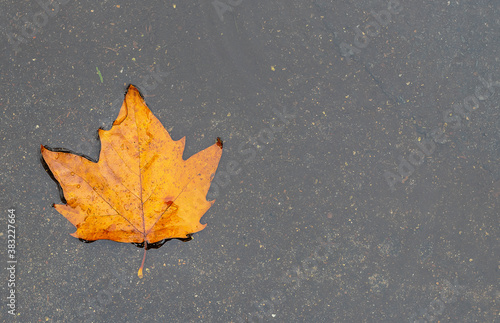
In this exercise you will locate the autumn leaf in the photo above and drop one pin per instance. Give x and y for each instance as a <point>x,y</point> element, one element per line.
<point>140,190</point>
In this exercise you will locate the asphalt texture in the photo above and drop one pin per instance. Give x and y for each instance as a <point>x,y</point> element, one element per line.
<point>360,178</point>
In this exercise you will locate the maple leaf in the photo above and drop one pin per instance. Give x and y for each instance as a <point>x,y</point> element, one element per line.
<point>140,190</point>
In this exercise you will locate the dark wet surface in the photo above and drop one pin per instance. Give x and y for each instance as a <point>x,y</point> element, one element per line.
<point>352,188</point>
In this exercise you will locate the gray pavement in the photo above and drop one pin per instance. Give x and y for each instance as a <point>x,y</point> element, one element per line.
<point>360,175</point>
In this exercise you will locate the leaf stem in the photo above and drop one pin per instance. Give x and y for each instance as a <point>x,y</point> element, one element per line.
<point>139,273</point>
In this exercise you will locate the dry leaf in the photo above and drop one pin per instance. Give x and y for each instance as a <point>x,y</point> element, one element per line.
<point>141,190</point>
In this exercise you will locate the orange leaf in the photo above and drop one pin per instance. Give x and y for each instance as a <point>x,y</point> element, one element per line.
<point>141,190</point>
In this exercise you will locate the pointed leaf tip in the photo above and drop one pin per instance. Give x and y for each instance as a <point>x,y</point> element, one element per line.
<point>219,142</point>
